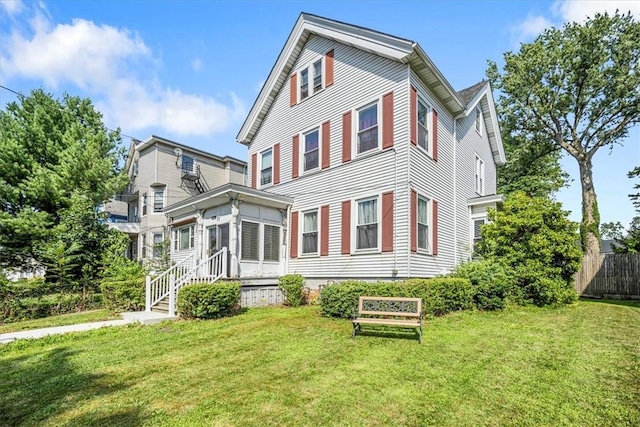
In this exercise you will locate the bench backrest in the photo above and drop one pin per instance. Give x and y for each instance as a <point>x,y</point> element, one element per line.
<point>390,306</point>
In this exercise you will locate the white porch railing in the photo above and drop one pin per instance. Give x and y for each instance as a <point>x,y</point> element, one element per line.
<point>159,288</point>
<point>169,283</point>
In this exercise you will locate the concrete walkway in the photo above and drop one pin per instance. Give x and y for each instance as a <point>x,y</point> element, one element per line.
<point>145,318</point>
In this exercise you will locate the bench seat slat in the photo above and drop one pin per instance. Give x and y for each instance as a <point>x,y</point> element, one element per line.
<point>396,322</point>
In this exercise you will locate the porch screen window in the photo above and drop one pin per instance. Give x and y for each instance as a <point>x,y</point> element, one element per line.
<point>271,243</point>
<point>250,248</point>
<point>185,238</point>
<point>423,223</point>
<point>367,226</point>
<point>310,233</point>
<point>304,84</point>
<point>266,168</point>
<point>368,128</point>
<point>311,150</point>
<point>317,75</point>
<point>158,200</point>
<point>423,130</point>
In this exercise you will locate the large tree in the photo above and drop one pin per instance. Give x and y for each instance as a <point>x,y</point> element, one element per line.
<point>576,89</point>
<point>56,157</point>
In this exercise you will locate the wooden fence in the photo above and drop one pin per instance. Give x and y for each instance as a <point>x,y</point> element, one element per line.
<point>609,274</point>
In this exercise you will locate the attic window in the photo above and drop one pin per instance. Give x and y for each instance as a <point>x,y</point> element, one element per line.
<point>311,79</point>
<point>478,122</point>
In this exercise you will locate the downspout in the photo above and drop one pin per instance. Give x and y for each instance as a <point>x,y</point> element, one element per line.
<point>394,272</point>
<point>408,272</point>
<point>287,239</point>
<point>455,187</point>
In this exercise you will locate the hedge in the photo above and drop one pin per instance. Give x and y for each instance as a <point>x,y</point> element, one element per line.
<point>208,300</point>
<point>439,295</point>
<point>124,295</point>
<point>16,309</point>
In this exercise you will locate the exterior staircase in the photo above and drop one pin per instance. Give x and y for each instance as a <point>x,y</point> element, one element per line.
<point>162,291</point>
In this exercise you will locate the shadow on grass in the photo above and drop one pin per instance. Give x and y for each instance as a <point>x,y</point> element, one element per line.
<point>622,302</point>
<point>411,335</point>
<point>36,387</point>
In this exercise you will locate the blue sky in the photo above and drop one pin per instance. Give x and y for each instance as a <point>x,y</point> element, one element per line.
<point>191,70</point>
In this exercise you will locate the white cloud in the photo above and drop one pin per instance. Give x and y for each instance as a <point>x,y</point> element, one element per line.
<point>578,11</point>
<point>568,11</point>
<point>530,27</point>
<point>12,7</point>
<point>108,64</point>
<point>196,64</point>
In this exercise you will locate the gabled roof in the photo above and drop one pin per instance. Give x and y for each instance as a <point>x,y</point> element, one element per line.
<point>385,45</point>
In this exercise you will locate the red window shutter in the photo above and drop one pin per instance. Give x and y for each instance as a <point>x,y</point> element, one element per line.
<point>326,131</point>
<point>387,120</point>
<point>434,131</point>
<point>254,170</point>
<point>276,164</point>
<point>294,235</point>
<point>324,230</point>
<point>346,137</point>
<point>434,214</point>
<point>387,222</point>
<point>293,90</point>
<point>414,115</point>
<point>414,221</point>
<point>346,227</point>
<point>329,68</point>
<point>296,157</point>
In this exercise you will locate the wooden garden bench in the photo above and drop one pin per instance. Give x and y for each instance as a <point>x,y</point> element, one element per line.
<point>389,311</point>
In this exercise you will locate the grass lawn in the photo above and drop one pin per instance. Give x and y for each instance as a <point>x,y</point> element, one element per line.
<point>61,320</point>
<point>577,365</point>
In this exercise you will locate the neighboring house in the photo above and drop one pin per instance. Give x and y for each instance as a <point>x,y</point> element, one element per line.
<point>162,172</point>
<point>364,163</point>
<point>607,246</point>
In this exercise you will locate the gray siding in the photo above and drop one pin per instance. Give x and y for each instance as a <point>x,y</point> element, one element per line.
<point>360,78</point>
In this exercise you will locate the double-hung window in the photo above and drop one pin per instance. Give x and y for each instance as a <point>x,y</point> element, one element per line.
<point>266,167</point>
<point>311,150</point>
<point>477,231</point>
<point>478,121</point>
<point>144,246</point>
<point>423,125</point>
<point>423,223</point>
<point>310,232</point>
<point>367,139</point>
<point>145,201</point>
<point>317,75</point>
<point>158,245</point>
<point>188,164</point>
<point>184,238</point>
<point>367,224</point>
<point>304,84</point>
<point>479,176</point>
<point>158,200</point>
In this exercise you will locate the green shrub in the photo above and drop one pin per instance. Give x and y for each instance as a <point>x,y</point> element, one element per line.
<point>31,288</point>
<point>439,295</point>
<point>124,294</point>
<point>208,300</point>
<point>540,289</point>
<point>292,286</point>
<point>493,283</point>
<point>14,309</point>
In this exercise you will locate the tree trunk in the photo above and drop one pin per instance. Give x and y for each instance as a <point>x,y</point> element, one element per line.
<point>589,227</point>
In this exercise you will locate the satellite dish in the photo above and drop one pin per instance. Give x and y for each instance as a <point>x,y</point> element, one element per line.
<point>177,151</point>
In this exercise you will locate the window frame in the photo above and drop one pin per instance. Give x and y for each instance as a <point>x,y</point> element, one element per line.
<point>155,250</point>
<point>479,175</point>
<point>182,164</point>
<point>355,224</point>
<point>262,255</point>
<point>477,123</point>
<point>143,247</point>
<point>261,169</point>
<point>429,224</point>
<point>177,238</point>
<point>303,137</point>
<point>145,201</point>
<point>309,68</point>
<point>317,232</point>
<point>427,126</point>
<point>356,126</point>
<point>156,191</point>
<point>259,248</point>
